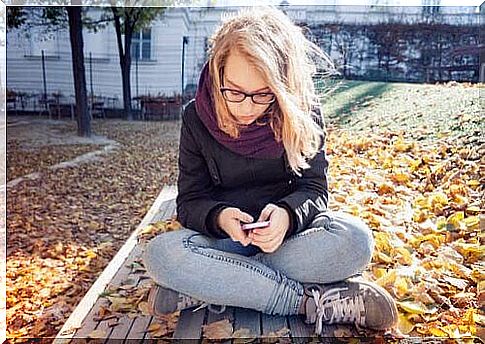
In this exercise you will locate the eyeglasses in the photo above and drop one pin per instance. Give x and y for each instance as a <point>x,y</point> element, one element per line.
<point>235,96</point>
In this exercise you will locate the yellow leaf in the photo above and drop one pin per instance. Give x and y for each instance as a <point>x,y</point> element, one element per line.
<point>119,304</point>
<point>473,182</point>
<point>154,327</point>
<point>400,178</point>
<point>402,146</point>
<point>404,325</point>
<point>388,279</point>
<point>469,316</point>
<point>455,219</point>
<point>384,258</point>
<point>458,189</point>
<point>386,188</point>
<point>413,307</point>
<point>437,332</point>
<point>473,209</point>
<point>420,215</point>
<point>379,272</point>
<point>401,286</point>
<point>472,222</point>
<point>438,198</point>
<point>404,257</point>
<point>97,334</point>
<point>90,254</point>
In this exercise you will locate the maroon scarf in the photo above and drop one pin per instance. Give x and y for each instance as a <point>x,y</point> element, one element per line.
<point>254,141</point>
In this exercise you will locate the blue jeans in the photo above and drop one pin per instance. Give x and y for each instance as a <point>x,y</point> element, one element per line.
<point>335,246</point>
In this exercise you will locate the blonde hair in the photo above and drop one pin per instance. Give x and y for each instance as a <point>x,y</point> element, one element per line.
<point>287,60</point>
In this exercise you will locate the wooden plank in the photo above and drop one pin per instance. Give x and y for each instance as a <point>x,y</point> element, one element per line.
<point>84,308</point>
<point>300,331</point>
<point>122,275</point>
<point>189,325</point>
<point>272,324</point>
<point>89,325</point>
<point>247,319</point>
<point>227,314</point>
<point>141,322</point>
<point>139,327</point>
<point>123,330</point>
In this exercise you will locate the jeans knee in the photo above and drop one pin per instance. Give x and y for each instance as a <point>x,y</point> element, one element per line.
<point>164,256</point>
<point>361,241</point>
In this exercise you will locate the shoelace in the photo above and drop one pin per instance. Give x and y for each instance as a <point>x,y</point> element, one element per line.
<point>186,301</point>
<point>344,310</point>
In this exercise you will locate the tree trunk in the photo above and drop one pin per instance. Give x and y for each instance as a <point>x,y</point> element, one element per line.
<point>125,73</point>
<point>77,50</point>
<point>125,59</point>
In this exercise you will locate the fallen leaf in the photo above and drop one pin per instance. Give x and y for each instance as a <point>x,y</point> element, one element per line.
<point>97,334</point>
<point>404,325</point>
<point>221,329</point>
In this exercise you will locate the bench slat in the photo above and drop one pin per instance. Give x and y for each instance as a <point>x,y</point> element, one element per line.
<point>299,330</point>
<point>248,319</point>
<point>80,322</point>
<point>227,314</point>
<point>121,331</point>
<point>140,323</point>
<point>89,325</point>
<point>273,323</point>
<point>189,325</point>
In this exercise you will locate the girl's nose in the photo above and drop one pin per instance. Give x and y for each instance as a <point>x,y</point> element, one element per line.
<point>246,107</point>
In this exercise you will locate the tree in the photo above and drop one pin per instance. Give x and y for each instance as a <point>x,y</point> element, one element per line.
<point>54,18</point>
<point>127,21</point>
<point>77,50</point>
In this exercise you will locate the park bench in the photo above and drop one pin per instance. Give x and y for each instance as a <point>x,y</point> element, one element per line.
<point>125,270</point>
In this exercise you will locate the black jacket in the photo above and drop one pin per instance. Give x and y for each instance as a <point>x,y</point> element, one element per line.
<point>212,177</point>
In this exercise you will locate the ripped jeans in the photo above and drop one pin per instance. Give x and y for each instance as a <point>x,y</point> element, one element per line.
<point>335,246</point>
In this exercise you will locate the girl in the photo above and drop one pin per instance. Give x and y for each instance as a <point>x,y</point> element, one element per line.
<point>252,149</point>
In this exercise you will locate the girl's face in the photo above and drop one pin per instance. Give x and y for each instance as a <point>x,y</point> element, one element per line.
<point>241,76</point>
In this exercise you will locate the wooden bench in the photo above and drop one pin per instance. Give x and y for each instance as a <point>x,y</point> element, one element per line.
<point>90,321</point>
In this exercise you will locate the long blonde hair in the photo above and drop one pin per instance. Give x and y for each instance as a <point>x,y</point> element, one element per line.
<point>287,60</point>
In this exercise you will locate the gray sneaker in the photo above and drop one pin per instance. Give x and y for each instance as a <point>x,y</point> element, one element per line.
<point>361,303</point>
<point>163,301</point>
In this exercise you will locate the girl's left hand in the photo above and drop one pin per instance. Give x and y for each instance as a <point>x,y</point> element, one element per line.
<point>270,238</point>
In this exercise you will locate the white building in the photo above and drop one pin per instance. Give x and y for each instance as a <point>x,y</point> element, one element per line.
<point>160,48</point>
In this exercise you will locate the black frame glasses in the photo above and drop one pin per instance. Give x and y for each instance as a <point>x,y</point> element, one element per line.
<point>226,95</point>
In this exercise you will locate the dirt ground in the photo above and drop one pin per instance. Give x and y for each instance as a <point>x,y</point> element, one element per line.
<point>72,201</point>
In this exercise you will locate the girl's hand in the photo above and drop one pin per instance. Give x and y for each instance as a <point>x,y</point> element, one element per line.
<point>229,220</point>
<point>270,238</point>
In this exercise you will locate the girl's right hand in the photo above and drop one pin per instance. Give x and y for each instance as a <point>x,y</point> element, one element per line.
<point>229,220</point>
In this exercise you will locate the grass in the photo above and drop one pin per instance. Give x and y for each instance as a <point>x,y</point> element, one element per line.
<point>423,112</point>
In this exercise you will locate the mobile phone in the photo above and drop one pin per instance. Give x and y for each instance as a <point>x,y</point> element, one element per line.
<point>254,225</point>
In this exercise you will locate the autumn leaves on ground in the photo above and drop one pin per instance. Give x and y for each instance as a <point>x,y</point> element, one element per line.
<point>405,158</point>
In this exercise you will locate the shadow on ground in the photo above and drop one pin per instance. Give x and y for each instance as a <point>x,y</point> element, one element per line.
<point>340,102</point>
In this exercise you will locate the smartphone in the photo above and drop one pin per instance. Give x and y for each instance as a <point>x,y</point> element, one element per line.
<point>254,225</point>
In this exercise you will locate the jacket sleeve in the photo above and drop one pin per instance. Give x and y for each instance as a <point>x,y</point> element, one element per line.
<point>194,202</point>
<point>310,195</point>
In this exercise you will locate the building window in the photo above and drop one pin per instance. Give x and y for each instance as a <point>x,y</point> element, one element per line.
<point>141,45</point>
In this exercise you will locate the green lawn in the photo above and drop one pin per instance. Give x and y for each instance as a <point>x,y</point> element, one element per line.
<point>422,111</point>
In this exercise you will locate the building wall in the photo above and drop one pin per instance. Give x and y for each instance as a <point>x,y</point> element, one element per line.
<point>162,74</point>
<point>159,75</point>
